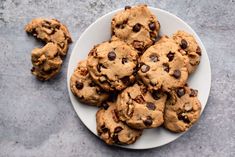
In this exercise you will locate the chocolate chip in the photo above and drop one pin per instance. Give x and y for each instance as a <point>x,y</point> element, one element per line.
<point>99,66</point>
<point>193,93</point>
<point>145,68</point>
<point>153,57</point>
<point>138,45</point>
<point>127,7</point>
<point>198,51</point>
<point>139,99</point>
<point>150,106</point>
<point>115,138</point>
<point>115,115</point>
<point>118,129</point>
<point>126,80</point>
<point>124,60</point>
<point>166,67</point>
<point>184,118</point>
<point>183,44</point>
<point>148,121</point>
<point>136,27</point>
<point>170,56</point>
<point>180,92</point>
<point>156,94</point>
<point>111,55</point>
<point>105,106</point>
<point>79,85</point>
<point>33,69</point>
<point>152,26</point>
<point>177,74</point>
<point>104,129</point>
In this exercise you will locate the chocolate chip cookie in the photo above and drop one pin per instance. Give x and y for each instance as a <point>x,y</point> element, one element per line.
<point>190,48</point>
<point>112,65</point>
<point>46,61</point>
<point>136,26</point>
<point>84,88</point>
<point>163,66</point>
<point>182,109</point>
<point>50,30</point>
<point>139,108</point>
<point>111,130</point>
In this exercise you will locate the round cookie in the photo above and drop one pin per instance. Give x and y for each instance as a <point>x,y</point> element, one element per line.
<point>113,131</point>
<point>137,26</point>
<point>50,31</point>
<point>46,61</point>
<point>163,66</point>
<point>139,108</point>
<point>84,88</point>
<point>190,48</point>
<point>182,109</point>
<point>112,65</point>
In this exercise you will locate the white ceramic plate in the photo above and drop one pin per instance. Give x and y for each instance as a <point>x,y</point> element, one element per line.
<point>100,31</point>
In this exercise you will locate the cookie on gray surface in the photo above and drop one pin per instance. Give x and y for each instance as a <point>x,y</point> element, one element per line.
<point>137,26</point>
<point>112,65</point>
<point>111,130</point>
<point>84,88</point>
<point>139,108</point>
<point>50,30</point>
<point>190,48</point>
<point>162,66</point>
<point>182,109</point>
<point>46,61</point>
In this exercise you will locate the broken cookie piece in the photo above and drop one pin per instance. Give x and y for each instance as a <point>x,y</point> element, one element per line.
<point>46,61</point>
<point>50,31</point>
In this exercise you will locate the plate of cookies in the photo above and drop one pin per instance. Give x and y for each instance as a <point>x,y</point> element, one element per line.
<point>139,77</point>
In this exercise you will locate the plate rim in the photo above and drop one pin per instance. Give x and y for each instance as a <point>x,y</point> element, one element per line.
<point>107,14</point>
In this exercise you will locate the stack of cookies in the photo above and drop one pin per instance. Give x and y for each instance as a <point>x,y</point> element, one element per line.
<point>47,61</point>
<point>137,80</point>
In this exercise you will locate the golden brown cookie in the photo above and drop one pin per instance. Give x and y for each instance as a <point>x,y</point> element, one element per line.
<point>46,61</point>
<point>84,88</point>
<point>163,66</point>
<point>182,109</point>
<point>112,65</point>
<point>189,48</point>
<point>113,131</point>
<point>50,30</point>
<point>139,108</point>
<point>136,26</point>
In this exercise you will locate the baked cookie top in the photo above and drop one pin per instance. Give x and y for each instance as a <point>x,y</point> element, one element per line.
<point>46,61</point>
<point>111,130</point>
<point>139,108</point>
<point>50,30</point>
<point>182,109</point>
<point>112,65</point>
<point>137,26</point>
<point>163,66</point>
<point>190,48</point>
<point>84,88</point>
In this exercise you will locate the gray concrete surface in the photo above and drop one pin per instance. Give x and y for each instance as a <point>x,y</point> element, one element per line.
<point>37,119</point>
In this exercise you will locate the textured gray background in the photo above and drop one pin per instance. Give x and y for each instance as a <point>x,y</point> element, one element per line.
<point>37,119</point>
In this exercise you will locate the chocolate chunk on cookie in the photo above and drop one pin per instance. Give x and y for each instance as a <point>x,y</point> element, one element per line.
<point>189,48</point>
<point>163,66</point>
<point>136,26</point>
<point>50,30</point>
<point>182,109</point>
<point>46,61</point>
<point>113,131</point>
<point>139,108</point>
<point>83,87</point>
<point>112,65</point>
